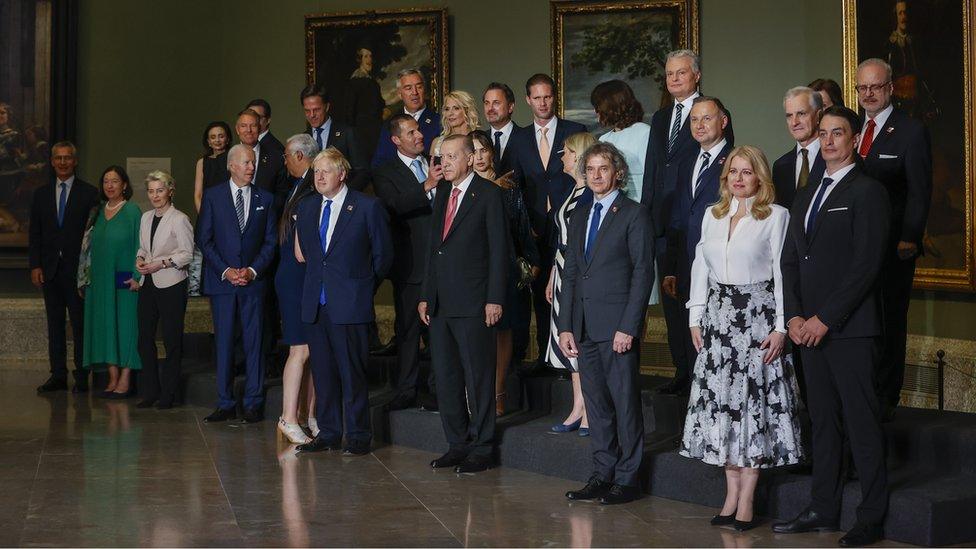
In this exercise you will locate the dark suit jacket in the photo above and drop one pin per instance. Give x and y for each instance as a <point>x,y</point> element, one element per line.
<point>224,245</point>
<point>784,176</point>
<point>469,268</point>
<point>504,164</point>
<point>540,183</point>
<point>343,138</point>
<point>270,169</point>
<point>430,126</point>
<point>901,159</point>
<point>53,248</point>
<point>272,142</point>
<point>833,273</point>
<point>609,293</point>
<point>410,219</point>
<point>359,255</point>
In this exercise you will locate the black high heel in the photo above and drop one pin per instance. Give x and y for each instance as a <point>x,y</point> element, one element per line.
<point>743,526</point>
<point>723,520</point>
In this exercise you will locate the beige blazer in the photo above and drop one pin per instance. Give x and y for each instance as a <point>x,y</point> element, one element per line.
<point>173,242</point>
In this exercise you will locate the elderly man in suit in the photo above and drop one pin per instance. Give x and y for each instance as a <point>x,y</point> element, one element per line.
<point>407,185</point>
<point>413,94</point>
<point>897,151</point>
<point>58,215</point>
<point>344,240</point>
<point>803,162</point>
<point>606,284</point>
<point>236,233</point>
<point>461,301</point>
<point>831,262</point>
<point>329,132</point>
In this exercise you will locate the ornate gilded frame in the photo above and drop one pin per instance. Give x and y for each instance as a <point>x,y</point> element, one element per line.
<point>930,278</point>
<point>438,82</point>
<point>687,37</point>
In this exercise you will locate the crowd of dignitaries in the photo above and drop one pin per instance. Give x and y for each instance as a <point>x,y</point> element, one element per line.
<point>782,287</point>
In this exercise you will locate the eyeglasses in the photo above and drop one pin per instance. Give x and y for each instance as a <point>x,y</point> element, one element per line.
<point>871,88</point>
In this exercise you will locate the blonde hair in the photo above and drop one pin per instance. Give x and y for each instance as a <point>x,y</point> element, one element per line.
<point>163,177</point>
<point>464,99</point>
<point>578,143</point>
<point>334,158</point>
<point>766,194</point>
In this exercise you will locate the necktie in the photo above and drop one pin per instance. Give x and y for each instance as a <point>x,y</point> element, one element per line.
<point>675,126</point>
<point>867,137</point>
<point>318,137</point>
<point>323,235</point>
<point>804,169</point>
<point>62,201</point>
<point>451,212</point>
<point>591,234</point>
<point>817,203</point>
<point>701,171</point>
<point>498,146</point>
<point>544,148</point>
<point>239,204</point>
<point>418,170</point>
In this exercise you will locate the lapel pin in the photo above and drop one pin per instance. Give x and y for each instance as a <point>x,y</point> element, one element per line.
<point>891,129</point>
<point>349,208</point>
<point>337,134</point>
<point>614,209</point>
<point>426,120</point>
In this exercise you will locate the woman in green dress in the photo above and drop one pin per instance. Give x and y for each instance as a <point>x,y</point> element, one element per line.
<point>111,326</point>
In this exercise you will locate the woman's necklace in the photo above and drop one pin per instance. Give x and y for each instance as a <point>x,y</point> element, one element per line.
<point>115,207</point>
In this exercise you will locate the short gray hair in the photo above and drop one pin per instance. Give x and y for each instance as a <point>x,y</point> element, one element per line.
<point>815,99</point>
<point>611,153</point>
<point>235,151</point>
<point>304,144</point>
<point>162,176</point>
<point>695,60</point>
<point>408,71</point>
<point>876,61</point>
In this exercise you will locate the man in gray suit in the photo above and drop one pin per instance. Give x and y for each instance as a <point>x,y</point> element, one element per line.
<point>606,283</point>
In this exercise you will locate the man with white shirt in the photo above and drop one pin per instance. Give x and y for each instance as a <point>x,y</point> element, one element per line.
<point>801,164</point>
<point>329,132</point>
<point>265,138</point>
<point>499,103</point>
<point>268,163</point>
<point>413,94</point>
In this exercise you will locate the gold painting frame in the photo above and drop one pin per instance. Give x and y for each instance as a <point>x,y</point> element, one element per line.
<point>933,278</point>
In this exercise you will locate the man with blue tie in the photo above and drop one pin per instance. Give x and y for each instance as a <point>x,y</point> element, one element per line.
<point>236,233</point>
<point>803,162</point>
<point>413,94</point>
<point>344,240</point>
<point>328,132</point>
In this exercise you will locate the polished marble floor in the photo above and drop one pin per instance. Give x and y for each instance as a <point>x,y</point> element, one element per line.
<point>77,472</point>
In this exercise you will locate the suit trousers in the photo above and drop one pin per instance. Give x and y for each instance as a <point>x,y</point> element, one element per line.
<point>840,386</point>
<point>166,306</point>
<point>338,354</point>
<point>542,308</point>
<point>613,409</point>
<point>60,293</point>
<point>683,353</point>
<point>898,276</point>
<point>228,310</point>
<point>408,329</point>
<point>463,359</point>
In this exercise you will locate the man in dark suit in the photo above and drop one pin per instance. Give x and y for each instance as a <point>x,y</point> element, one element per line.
<point>831,261</point>
<point>499,103</point>
<point>697,187</point>
<point>897,151</point>
<point>410,89</point>
<point>539,171</point>
<point>407,186</point>
<point>344,239</point>
<point>236,233</point>
<point>269,164</point>
<point>461,301</point>
<point>265,138</point>
<point>59,213</point>
<point>606,283</point>
<point>329,132</point>
<point>802,163</point>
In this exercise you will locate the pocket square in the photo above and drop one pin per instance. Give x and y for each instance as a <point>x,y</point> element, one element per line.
<point>259,208</point>
<point>887,156</point>
<point>838,209</point>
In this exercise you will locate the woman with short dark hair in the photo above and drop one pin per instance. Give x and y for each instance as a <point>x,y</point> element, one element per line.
<point>617,108</point>
<point>829,91</point>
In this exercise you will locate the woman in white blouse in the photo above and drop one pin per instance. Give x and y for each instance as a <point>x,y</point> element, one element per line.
<point>742,412</point>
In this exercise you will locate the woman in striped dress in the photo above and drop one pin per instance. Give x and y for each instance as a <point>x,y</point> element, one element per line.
<point>573,148</point>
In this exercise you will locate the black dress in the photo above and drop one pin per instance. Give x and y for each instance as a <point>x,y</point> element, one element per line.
<point>523,245</point>
<point>215,170</point>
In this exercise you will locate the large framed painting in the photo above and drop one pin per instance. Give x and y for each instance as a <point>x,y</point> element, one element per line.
<point>357,56</point>
<point>929,44</point>
<point>598,41</point>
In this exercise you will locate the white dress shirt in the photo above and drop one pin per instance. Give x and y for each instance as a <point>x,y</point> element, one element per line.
<point>606,201</point>
<point>685,111</point>
<point>712,159</point>
<point>326,131</point>
<point>246,195</point>
<point>834,180</point>
<point>334,212</point>
<point>408,162</point>
<point>813,149</point>
<point>57,192</point>
<point>464,190</point>
<point>749,256</point>
<point>257,162</point>
<point>504,137</point>
<point>879,120</point>
<point>415,115</point>
<point>550,134</point>
<point>262,134</point>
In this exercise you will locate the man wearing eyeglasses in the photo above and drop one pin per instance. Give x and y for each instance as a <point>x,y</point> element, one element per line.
<point>897,151</point>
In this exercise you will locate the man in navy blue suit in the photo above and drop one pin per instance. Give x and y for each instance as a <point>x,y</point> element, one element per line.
<point>344,240</point>
<point>236,233</point>
<point>802,163</point>
<point>410,88</point>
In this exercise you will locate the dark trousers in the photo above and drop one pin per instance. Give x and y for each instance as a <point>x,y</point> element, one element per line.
<point>683,352</point>
<point>168,307</point>
<point>463,357</point>
<point>338,354</point>
<point>897,291</point>
<point>840,386</point>
<point>521,323</point>
<point>61,293</point>
<point>613,408</point>
<point>408,330</point>
<point>542,308</point>
<point>228,310</point>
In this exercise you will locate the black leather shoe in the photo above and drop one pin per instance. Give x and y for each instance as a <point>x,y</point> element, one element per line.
<point>745,525</point>
<point>53,384</point>
<point>388,349</point>
<point>147,402</point>
<point>862,534</point>
<point>452,458</point>
<point>620,494</point>
<point>319,444</point>
<point>674,387</point>
<point>356,448</point>
<point>474,464</point>
<point>401,402</point>
<point>722,520</point>
<point>807,521</point>
<point>221,415</point>
<point>80,386</point>
<point>594,489</point>
<point>252,415</point>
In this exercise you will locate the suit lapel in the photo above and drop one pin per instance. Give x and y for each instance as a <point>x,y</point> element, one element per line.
<point>608,218</point>
<point>163,221</point>
<point>882,134</point>
<point>255,195</point>
<point>831,199</point>
<point>347,211</point>
<point>467,203</point>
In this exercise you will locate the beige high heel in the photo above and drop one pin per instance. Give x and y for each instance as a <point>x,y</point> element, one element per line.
<point>292,432</point>
<point>313,427</point>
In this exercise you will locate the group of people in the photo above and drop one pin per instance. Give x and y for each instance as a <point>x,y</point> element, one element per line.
<point>782,286</point>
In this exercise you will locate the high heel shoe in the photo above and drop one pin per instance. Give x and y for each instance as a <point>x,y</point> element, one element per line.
<point>292,432</point>
<point>563,428</point>
<point>723,520</point>
<point>313,427</point>
<point>583,432</point>
<point>743,526</point>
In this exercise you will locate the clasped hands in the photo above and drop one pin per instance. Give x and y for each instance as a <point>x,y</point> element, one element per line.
<point>809,332</point>
<point>493,313</point>
<point>567,343</point>
<point>148,268</point>
<point>239,277</point>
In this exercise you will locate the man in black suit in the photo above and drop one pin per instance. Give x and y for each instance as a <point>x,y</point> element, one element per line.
<point>270,167</point>
<point>329,132</point>
<point>265,138</point>
<point>499,102</point>
<point>59,213</point>
<point>802,163</point>
<point>897,151</point>
<point>539,171</point>
<point>407,186</point>
<point>461,301</point>
<point>606,283</point>
<point>413,94</point>
<point>832,258</point>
